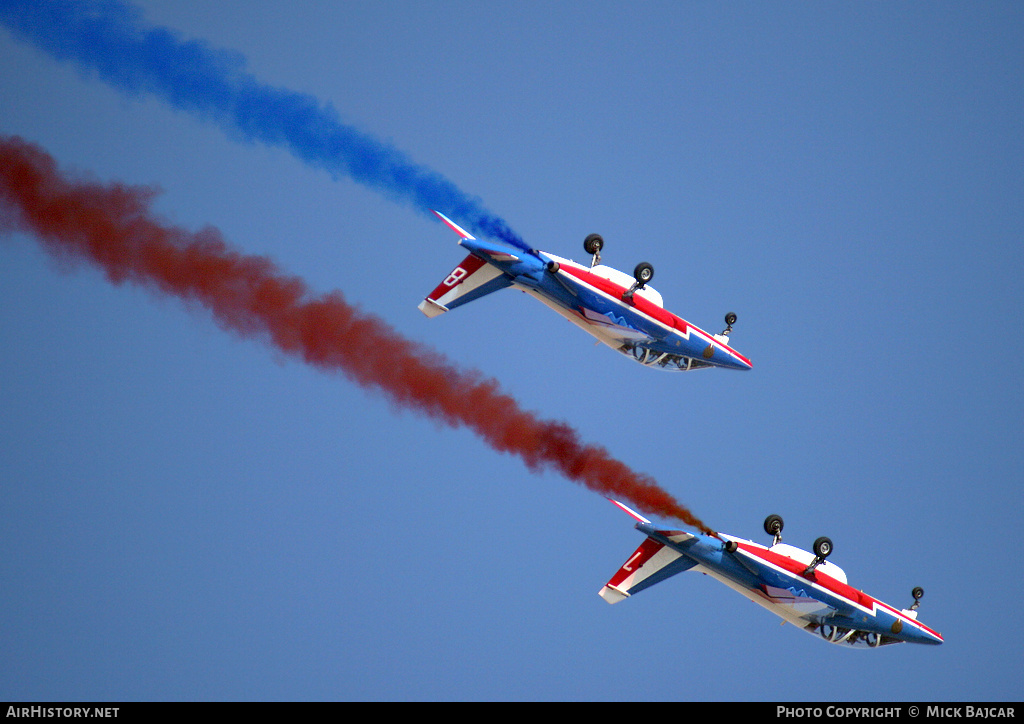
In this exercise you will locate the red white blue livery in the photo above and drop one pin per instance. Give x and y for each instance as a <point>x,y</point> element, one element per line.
<point>799,586</point>
<point>621,311</point>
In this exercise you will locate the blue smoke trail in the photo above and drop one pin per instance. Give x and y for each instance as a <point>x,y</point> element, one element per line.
<point>109,38</point>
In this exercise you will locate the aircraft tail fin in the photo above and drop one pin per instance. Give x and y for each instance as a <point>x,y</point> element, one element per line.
<point>471,279</point>
<point>651,563</point>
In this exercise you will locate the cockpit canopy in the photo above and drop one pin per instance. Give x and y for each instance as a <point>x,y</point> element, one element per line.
<point>851,637</point>
<point>663,360</point>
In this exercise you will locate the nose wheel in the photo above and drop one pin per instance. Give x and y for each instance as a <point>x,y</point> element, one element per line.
<point>730,319</point>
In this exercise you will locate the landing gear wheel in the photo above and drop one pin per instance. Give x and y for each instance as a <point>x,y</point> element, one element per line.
<point>730,319</point>
<point>917,593</point>
<point>822,547</point>
<point>643,273</point>
<point>593,244</point>
<point>773,524</point>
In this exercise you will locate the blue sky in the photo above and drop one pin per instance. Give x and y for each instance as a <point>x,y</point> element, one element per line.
<point>189,515</point>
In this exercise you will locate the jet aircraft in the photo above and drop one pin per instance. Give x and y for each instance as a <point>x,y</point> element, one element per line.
<point>623,312</point>
<point>799,586</point>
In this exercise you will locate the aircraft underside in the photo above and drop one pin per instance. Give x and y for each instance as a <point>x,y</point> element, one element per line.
<point>800,587</point>
<point>807,614</point>
<point>615,333</point>
<point>621,311</point>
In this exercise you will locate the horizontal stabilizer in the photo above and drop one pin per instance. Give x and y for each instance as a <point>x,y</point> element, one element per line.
<point>629,511</point>
<point>453,226</point>
<point>470,280</point>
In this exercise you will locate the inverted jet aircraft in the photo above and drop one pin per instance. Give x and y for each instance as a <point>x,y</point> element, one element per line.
<point>799,586</point>
<point>623,312</point>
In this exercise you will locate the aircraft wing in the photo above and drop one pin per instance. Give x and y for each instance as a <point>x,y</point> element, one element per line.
<point>797,602</point>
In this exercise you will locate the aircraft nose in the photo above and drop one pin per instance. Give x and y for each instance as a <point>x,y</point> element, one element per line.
<point>934,638</point>
<point>739,362</point>
<point>926,636</point>
<point>735,359</point>
<point>726,356</point>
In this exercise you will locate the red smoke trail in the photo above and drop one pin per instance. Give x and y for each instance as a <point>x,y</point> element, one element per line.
<point>112,226</point>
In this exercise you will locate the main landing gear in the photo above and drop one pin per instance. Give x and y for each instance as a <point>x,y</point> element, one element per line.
<point>773,526</point>
<point>822,547</point>
<point>643,273</point>
<point>593,245</point>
